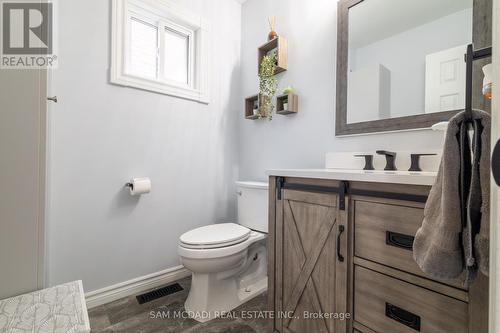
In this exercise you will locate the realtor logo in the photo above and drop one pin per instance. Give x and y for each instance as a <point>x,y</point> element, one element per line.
<point>27,34</point>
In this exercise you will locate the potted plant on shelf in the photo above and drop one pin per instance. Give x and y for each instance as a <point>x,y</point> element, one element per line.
<point>256,108</point>
<point>267,86</point>
<point>287,91</point>
<point>285,104</point>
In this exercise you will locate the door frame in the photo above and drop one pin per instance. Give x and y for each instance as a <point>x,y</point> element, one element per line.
<point>494,303</point>
<point>42,176</point>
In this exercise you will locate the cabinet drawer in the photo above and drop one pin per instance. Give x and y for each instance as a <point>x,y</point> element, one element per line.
<point>385,304</point>
<point>384,233</point>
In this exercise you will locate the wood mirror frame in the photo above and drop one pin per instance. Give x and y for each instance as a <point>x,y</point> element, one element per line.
<point>482,20</point>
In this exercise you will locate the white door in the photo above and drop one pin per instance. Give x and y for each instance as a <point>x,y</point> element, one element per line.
<point>445,75</point>
<point>22,180</point>
<point>494,314</point>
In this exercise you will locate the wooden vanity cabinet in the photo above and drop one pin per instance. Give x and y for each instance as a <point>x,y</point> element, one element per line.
<point>338,247</point>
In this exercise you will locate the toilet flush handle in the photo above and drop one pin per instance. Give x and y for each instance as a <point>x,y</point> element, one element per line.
<point>240,193</point>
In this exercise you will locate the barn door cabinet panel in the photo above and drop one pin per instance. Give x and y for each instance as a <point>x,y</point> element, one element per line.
<point>340,260</point>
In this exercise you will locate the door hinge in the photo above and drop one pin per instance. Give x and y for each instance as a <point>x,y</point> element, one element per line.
<point>343,187</point>
<point>280,183</point>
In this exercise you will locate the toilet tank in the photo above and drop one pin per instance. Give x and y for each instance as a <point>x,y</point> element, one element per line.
<point>253,205</point>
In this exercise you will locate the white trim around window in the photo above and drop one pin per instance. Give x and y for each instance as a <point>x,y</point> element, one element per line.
<point>165,17</point>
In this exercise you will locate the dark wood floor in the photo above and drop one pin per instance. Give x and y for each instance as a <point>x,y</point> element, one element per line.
<point>126,315</point>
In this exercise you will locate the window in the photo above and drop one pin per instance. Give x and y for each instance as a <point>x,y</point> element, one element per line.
<point>177,53</point>
<point>143,51</point>
<point>157,47</point>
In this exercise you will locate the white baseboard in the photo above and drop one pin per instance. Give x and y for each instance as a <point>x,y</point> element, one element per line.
<point>135,286</point>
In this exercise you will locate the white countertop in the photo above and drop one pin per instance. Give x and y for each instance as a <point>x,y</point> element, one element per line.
<point>393,177</point>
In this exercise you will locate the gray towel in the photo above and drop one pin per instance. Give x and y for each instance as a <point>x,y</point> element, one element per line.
<point>454,236</point>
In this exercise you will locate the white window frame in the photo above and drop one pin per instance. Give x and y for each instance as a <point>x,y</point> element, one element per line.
<point>163,15</point>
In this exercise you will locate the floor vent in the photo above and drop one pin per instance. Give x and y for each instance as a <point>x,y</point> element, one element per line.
<point>158,293</point>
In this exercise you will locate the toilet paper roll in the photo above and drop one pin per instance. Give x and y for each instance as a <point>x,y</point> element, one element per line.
<point>138,186</point>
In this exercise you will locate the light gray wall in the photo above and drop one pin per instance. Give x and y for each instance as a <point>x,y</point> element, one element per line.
<point>301,141</point>
<point>102,135</point>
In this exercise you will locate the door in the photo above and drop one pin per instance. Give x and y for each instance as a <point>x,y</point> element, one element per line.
<point>495,185</point>
<point>445,80</point>
<point>22,176</point>
<point>311,271</point>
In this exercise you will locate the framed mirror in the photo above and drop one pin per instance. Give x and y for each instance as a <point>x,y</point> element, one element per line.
<point>400,63</point>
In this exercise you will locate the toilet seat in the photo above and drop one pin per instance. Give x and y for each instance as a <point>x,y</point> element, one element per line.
<point>219,252</point>
<point>215,236</point>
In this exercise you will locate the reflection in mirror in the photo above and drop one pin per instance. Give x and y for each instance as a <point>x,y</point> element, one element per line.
<point>406,57</point>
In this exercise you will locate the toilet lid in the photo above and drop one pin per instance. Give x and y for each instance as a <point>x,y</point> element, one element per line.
<point>215,235</point>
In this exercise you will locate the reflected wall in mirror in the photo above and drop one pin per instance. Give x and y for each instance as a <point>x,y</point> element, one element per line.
<point>401,63</point>
<point>406,57</point>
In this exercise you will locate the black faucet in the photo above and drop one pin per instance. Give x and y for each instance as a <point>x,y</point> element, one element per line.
<point>368,161</point>
<point>415,158</point>
<point>390,158</point>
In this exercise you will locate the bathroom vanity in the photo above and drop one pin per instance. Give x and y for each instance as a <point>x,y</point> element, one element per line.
<point>340,242</point>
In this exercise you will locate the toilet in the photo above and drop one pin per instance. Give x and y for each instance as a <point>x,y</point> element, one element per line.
<point>228,261</point>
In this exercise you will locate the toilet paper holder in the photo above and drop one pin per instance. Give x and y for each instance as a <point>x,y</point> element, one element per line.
<point>139,186</point>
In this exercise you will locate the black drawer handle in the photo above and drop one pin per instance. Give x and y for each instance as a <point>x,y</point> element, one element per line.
<point>402,316</point>
<point>399,240</point>
<point>339,255</point>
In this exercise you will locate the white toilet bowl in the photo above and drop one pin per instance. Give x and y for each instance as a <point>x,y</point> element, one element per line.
<point>228,261</point>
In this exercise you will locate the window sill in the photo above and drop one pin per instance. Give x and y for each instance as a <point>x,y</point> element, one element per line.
<point>159,87</point>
